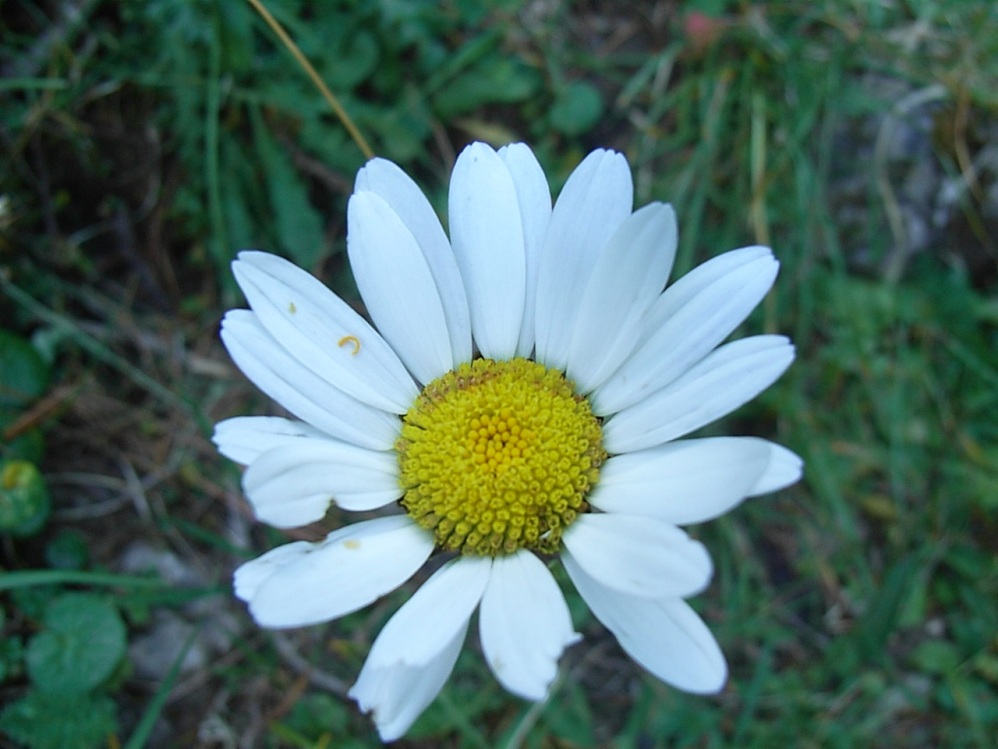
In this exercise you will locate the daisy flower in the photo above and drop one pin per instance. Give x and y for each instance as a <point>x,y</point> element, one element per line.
<point>521,398</point>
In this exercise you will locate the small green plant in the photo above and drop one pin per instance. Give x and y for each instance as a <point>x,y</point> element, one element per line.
<point>70,663</point>
<point>81,640</point>
<point>24,499</point>
<point>24,377</point>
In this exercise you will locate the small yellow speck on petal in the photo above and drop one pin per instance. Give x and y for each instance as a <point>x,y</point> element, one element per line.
<point>292,308</point>
<point>351,543</point>
<point>350,339</point>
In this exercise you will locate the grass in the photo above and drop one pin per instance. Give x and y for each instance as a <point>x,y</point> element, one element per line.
<point>146,143</point>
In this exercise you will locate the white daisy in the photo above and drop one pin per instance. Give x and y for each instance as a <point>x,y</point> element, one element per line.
<point>521,398</point>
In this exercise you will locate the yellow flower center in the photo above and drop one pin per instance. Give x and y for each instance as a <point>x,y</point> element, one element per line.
<point>497,456</point>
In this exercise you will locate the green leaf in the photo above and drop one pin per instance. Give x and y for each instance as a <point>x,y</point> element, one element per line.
<point>28,580</point>
<point>82,641</point>
<point>402,135</point>
<point>318,715</point>
<point>11,656</point>
<point>24,498</point>
<point>29,445</point>
<point>235,31</point>
<point>936,656</point>
<point>69,550</point>
<point>145,726</point>
<point>492,80</point>
<point>878,621</point>
<point>299,227</point>
<point>23,374</point>
<point>577,109</point>
<point>354,61</point>
<point>59,721</point>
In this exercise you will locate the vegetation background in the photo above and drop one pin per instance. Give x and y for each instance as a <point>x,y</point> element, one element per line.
<point>145,143</point>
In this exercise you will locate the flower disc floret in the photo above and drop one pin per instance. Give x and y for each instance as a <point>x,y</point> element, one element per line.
<point>497,456</point>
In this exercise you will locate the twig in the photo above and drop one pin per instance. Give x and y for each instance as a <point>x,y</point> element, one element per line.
<point>92,346</point>
<point>40,412</point>
<point>59,32</point>
<point>333,102</point>
<point>290,655</point>
<point>530,718</point>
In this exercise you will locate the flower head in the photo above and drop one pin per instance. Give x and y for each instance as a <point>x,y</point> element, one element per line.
<point>523,396</point>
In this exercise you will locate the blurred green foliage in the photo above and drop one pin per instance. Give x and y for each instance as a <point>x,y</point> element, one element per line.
<point>24,497</point>
<point>145,143</point>
<point>80,644</point>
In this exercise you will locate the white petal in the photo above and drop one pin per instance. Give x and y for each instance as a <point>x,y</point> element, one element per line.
<point>293,485</point>
<point>249,576</point>
<point>785,468</point>
<point>726,379</point>
<point>415,652</point>
<point>534,196</point>
<point>398,288</point>
<point>639,556</point>
<point>408,201</point>
<point>743,263</point>
<point>665,635</point>
<point>486,232</point>
<point>309,321</point>
<point>630,272</point>
<point>683,482</point>
<point>309,397</point>
<point>436,611</point>
<point>244,438</point>
<point>352,568</point>
<point>687,321</point>
<point>399,694</point>
<point>525,625</point>
<point>596,198</point>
